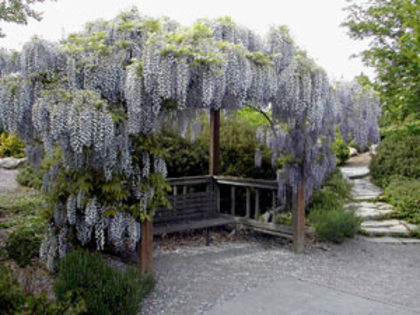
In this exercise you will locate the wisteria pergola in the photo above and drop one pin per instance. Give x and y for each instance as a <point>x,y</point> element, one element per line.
<point>94,101</point>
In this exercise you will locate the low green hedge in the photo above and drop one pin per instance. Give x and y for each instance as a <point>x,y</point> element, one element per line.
<point>404,194</point>
<point>398,154</point>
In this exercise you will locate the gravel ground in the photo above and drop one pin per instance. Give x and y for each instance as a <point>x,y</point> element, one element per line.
<point>359,160</point>
<point>193,279</point>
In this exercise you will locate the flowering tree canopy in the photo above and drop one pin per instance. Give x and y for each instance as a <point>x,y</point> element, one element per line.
<point>94,101</point>
<point>359,113</point>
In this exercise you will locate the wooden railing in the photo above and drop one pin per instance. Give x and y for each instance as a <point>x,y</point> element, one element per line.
<point>199,198</point>
<point>250,185</point>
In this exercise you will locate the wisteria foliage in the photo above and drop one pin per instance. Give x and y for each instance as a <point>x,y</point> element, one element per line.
<point>93,94</point>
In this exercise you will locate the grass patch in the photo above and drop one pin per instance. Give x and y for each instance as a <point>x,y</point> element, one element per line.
<point>22,214</point>
<point>22,208</point>
<point>105,290</point>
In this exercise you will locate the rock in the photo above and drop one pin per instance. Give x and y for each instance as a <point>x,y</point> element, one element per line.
<point>373,149</point>
<point>354,172</point>
<point>11,163</point>
<point>364,190</point>
<point>381,224</point>
<point>385,228</point>
<point>353,151</point>
<point>371,210</point>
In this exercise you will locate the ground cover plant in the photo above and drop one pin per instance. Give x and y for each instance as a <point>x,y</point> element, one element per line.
<point>14,299</point>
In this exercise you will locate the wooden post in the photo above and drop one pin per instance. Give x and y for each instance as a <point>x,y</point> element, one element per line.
<point>273,203</point>
<point>217,197</point>
<point>214,142</point>
<point>248,202</point>
<point>233,200</point>
<point>146,248</point>
<point>257,204</point>
<point>298,218</point>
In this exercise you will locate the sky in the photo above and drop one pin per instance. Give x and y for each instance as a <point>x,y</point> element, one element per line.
<point>315,25</point>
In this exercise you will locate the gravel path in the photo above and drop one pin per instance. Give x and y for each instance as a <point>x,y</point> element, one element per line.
<point>8,180</point>
<point>192,280</point>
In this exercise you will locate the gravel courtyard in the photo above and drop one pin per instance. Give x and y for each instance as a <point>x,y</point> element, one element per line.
<point>195,279</point>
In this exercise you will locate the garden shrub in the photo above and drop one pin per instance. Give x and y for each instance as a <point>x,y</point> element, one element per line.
<point>284,218</point>
<point>398,154</point>
<point>337,184</point>
<point>13,300</point>
<point>11,146</point>
<point>331,221</point>
<point>237,146</point>
<point>23,245</point>
<point>105,290</point>
<point>406,129</point>
<point>340,148</point>
<point>404,194</point>
<point>335,224</point>
<point>29,177</point>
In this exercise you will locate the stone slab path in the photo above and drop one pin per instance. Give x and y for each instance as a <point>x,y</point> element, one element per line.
<point>374,213</point>
<point>8,181</point>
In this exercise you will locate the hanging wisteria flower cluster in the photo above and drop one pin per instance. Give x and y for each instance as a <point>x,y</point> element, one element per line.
<point>93,102</point>
<point>358,117</point>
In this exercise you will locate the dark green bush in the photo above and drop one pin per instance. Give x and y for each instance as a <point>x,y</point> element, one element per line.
<point>404,194</point>
<point>237,146</point>
<point>13,300</point>
<point>398,154</point>
<point>23,245</point>
<point>105,290</point>
<point>341,149</point>
<point>331,221</point>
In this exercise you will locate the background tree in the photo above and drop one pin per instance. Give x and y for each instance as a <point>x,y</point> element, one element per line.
<point>394,32</point>
<point>18,11</point>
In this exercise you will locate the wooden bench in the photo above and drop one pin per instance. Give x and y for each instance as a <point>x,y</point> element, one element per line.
<point>194,206</point>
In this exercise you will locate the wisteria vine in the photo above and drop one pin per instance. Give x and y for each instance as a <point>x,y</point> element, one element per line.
<point>95,101</point>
